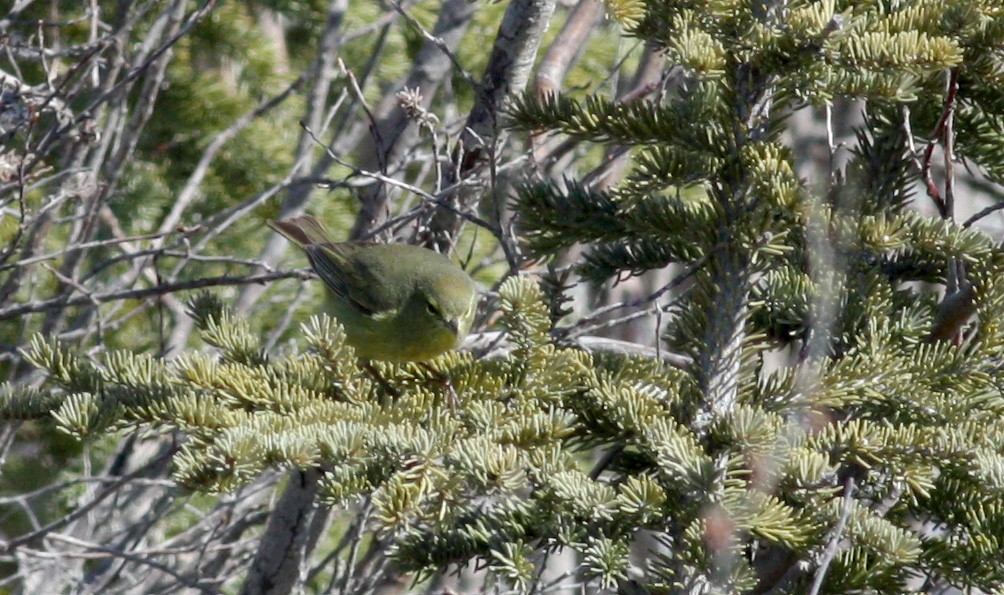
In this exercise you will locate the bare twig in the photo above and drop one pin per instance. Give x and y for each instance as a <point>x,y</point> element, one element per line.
<point>443,45</point>
<point>833,543</point>
<point>437,200</point>
<point>938,134</point>
<point>133,294</point>
<point>110,490</point>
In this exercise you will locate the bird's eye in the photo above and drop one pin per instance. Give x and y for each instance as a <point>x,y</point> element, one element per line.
<point>432,309</point>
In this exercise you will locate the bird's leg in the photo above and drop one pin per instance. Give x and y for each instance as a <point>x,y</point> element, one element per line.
<point>451,394</point>
<point>386,386</point>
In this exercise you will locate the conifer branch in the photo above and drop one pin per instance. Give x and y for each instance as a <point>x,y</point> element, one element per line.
<point>289,537</point>
<point>804,339</point>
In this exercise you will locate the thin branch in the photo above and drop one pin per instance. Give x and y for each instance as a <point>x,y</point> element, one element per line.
<point>984,213</point>
<point>833,544</point>
<point>132,294</point>
<point>409,187</point>
<point>189,192</point>
<point>110,490</point>
<point>99,244</point>
<point>439,42</point>
<point>357,93</point>
<point>584,324</point>
<point>133,557</point>
<point>949,142</point>
<point>939,132</point>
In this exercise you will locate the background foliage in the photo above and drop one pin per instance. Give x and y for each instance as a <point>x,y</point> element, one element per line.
<point>741,322</point>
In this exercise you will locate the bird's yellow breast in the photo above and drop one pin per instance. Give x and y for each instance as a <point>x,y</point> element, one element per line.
<point>392,336</point>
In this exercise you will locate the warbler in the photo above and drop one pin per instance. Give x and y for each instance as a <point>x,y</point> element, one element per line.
<point>396,302</point>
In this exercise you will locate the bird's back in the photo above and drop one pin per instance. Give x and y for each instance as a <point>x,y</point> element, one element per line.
<point>411,267</point>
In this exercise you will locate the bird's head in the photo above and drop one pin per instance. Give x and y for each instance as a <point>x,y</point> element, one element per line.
<point>450,301</point>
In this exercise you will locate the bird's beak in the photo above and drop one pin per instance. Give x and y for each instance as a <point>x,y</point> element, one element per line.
<point>453,325</point>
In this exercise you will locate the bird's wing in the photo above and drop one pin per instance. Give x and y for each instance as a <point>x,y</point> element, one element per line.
<point>349,277</point>
<point>344,268</point>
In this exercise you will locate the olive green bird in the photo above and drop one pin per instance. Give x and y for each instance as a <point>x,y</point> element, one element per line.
<point>396,302</point>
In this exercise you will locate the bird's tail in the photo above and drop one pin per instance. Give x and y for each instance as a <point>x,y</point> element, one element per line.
<point>303,230</point>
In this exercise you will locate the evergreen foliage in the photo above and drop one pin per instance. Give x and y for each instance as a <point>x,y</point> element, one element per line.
<point>448,481</point>
<point>870,439</point>
<point>822,431</point>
